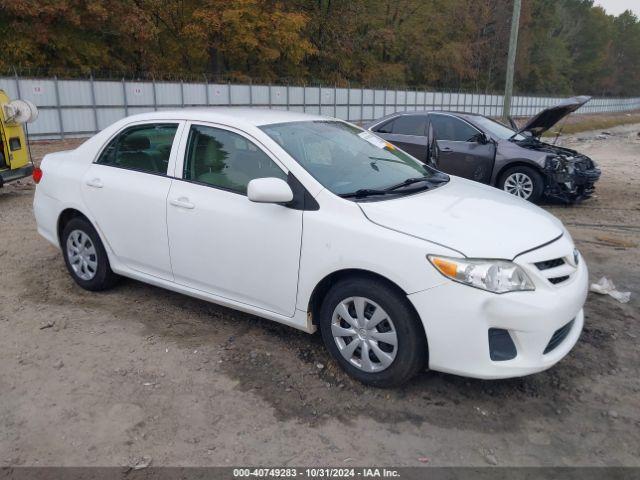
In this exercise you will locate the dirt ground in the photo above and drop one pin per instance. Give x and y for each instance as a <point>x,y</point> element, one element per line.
<point>110,378</point>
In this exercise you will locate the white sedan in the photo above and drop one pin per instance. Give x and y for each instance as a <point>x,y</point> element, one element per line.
<point>317,224</point>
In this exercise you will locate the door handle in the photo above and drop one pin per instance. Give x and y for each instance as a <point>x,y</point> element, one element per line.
<point>445,149</point>
<point>182,202</point>
<point>95,183</point>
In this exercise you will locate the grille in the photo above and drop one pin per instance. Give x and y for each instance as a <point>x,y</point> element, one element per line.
<point>557,280</point>
<point>547,264</point>
<point>558,336</point>
<point>556,270</point>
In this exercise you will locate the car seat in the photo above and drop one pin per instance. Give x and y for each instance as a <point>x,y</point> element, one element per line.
<point>132,154</point>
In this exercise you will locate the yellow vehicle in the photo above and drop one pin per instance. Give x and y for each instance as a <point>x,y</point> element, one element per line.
<point>15,161</point>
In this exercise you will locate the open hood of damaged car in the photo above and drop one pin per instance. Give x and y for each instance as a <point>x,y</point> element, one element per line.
<point>548,117</point>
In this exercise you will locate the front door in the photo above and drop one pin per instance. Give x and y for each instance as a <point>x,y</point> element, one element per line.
<point>458,151</point>
<point>126,192</point>
<point>222,243</point>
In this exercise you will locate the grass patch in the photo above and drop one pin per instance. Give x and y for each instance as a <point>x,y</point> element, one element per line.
<point>578,124</point>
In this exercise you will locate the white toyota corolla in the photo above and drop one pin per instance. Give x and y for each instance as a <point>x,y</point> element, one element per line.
<point>316,223</point>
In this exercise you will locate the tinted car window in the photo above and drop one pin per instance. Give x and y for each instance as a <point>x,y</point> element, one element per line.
<point>410,125</point>
<point>386,127</point>
<point>446,127</point>
<point>226,160</point>
<point>145,148</point>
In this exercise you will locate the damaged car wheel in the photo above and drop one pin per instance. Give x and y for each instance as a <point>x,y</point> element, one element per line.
<point>523,182</point>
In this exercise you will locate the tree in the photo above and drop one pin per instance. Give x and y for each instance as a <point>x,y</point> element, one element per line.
<point>565,46</point>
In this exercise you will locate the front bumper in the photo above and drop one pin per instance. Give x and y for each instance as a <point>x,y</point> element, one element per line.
<point>577,186</point>
<point>457,319</point>
<point>15,174</point>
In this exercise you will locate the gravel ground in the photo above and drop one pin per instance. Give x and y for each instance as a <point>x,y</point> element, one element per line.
<point>139,372</point>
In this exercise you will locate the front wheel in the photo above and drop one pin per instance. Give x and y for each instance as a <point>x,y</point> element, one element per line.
<point>372,332</point>
<point>523,182</point>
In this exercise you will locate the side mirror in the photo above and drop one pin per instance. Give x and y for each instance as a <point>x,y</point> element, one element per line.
<point>481,138</point>
<point>269,190</point>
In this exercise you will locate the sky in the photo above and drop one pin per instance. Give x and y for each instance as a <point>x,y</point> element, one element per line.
<point>616,7</point>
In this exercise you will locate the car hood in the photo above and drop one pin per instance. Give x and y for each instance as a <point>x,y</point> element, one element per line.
<point>474,219</point>
<point>547,118</point>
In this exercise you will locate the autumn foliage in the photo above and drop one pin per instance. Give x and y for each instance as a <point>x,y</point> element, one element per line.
<point>565,46</point>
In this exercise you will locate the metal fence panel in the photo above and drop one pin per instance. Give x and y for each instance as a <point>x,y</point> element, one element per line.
<point>278,96</point>
<point>108,93</point>
<point>218,94</point>
<point>75,92</point>
<point>296,97</point>
<point>194,94</point>
<point>9,85</point>
<point>40,92</point>
<point>82,107</point>
<point>139,93</point>
<point>326,96</point>
<point>169,94</point>
<point>238,95</point>
<point>77,120</point>
<point>106,116</point>
<point>46,124</point>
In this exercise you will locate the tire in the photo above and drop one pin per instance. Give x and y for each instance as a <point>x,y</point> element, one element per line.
<point>80,237</point>
<point>396,364</point>
<point>509,182</point>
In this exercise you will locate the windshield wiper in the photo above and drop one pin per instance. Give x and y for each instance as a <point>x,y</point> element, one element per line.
<point>368,192</point>
<point>409,181</point>
<point>363,192</point>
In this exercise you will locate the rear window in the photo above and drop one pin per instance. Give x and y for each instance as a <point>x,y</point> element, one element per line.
<point>145,148</point>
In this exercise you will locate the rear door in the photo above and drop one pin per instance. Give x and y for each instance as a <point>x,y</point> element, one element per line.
<point>126,191</point>
<point>407,131</point>
<point>458,150</point>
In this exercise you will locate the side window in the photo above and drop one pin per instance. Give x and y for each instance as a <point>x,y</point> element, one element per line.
<point>145,148</point>
<point>385,127</point>
<point>410,125</point>
<point>226,160</point>
<point>446,127</point>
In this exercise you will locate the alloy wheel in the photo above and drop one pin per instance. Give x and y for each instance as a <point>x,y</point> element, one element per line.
<point>364,333</point>
<point>82,255</point>
<point>519,184</point>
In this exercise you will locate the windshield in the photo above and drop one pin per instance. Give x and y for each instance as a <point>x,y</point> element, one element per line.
<point>346,159</point>
<point>496,129</point>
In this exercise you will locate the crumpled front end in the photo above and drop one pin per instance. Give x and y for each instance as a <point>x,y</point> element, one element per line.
<point>570,177</point>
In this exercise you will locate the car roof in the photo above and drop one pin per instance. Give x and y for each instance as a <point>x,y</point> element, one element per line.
<point>465,115</point>
<point>232,116</point>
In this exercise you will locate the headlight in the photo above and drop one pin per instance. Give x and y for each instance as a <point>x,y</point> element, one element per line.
<point>498,276</point>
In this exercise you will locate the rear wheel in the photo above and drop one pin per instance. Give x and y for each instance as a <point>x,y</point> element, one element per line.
<point>523,182</point>
<point>85,256</point>
<point>372,332</point>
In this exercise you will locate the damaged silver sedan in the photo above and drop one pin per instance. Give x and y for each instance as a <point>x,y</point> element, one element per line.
<point>510,158</point>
